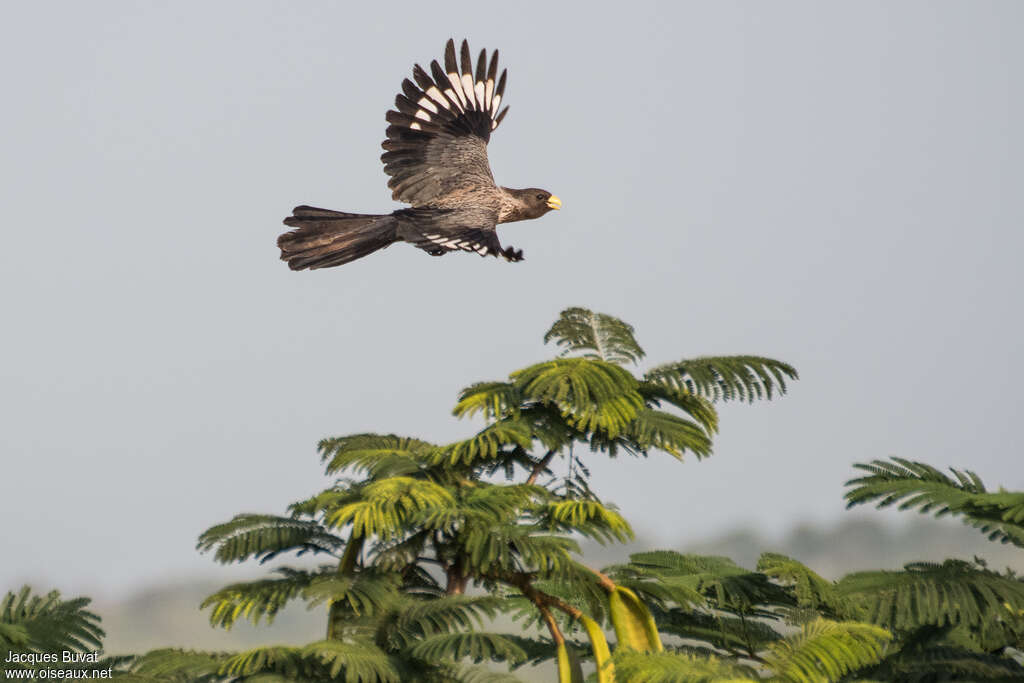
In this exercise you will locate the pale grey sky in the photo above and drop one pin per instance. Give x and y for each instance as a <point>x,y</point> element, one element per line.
<point>834,184</point>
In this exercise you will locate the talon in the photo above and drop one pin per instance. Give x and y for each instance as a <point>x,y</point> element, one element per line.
<point>511,254</point>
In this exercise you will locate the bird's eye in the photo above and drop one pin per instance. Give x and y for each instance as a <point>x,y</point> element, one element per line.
<point>540,196</point>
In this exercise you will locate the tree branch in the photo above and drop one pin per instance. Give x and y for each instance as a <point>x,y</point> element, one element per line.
<point>524,582</point>
<point>602,579</point>
<point>540,466</point>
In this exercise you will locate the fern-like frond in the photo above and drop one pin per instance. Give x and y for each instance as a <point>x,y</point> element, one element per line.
<point>587,517</point>
<point>726,378</point>
<point>421,618</point>
<point>812,591</point>
<point>492,399</point>
<point>375,454</point>
<point>357,662</point>
<point>596,334</point>
<point>481,506</point>
<point>264,537</point>
<point>255,600</point>
<point>726,633</point>
<point>678,667</point>
<point>396,554</point>
<point>954,592</point>
<point>172,664</point>
<point>13,636</point>
<point>344,491</point>
<point>694,405</point>
<point>481,674</point>
<point>511,547</point>
<point>385,506</point>
<point>487,444</point>
<point>287,661</point>
<point>824,651</point>
<point>667,432</point>
<point>945,663</point>
<point>592,394</point>
<point>475,646</point>
<point>50,623</point>
<point>360,594</point>
<point>722,584</point>
<point>915,485</point>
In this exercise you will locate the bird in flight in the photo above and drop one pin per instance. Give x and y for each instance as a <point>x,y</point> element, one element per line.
<point>436,155</point>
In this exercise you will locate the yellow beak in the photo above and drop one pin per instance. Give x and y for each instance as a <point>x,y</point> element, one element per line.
<point>554,202</point>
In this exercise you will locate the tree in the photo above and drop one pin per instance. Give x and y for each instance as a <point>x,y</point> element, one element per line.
<point>428,543</point>
<point>36,631</point>
<point>956,620</point>
<point>413,525</point>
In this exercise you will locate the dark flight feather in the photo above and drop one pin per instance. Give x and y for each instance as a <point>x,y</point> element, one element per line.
<point>435,154</point>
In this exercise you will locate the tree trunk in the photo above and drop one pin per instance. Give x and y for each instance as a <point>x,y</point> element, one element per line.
<point>456,581</point>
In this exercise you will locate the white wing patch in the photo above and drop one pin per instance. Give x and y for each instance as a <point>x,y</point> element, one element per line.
<point>435,94</point>
<point>478,90</point>
<point>455,81</point>
<point>457,243</point>
<point>426,104</point>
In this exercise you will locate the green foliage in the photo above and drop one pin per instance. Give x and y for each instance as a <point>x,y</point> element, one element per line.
<point>605,672</point>
<point>588,518</point>
<point>256,600</point>
<point>593,395</point>
<point>714,582</point>
<point>384,507</point>
<point>171,664</point>
<point>677,667</point>
<point>374,454</point>
<point>476,647</point>
<point>725,378</point>
<point>602,336</point>
<point>487,444</point>
<point>367,592</point>
<point>812,592</point>
<point>48,623</point>
<point>952,593</point>
<point>32,624</point>
<point>423,618</point>
<point>658,430</point>
<point>634,626</point>
<point>718,630</point>
<point>13,636</point>
<point>492,399</point>
<point>926,663</point>
<point>417,525</point>
<point>414,525</point>
<point>825,651</point>
<point>917,485</point>
<point>264,537</point>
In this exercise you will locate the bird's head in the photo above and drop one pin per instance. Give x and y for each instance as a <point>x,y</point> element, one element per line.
<point>533,203</point>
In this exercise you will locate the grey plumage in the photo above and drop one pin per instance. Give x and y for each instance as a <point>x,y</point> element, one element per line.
<point>436,156</point>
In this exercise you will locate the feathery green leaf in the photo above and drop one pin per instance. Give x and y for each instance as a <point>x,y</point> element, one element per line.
<point>603,336</point>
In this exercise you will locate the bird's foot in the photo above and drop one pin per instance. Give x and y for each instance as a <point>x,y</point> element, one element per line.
<point>512,254</point>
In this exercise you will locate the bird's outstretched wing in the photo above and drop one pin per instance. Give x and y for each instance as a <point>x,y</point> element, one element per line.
<point>437,141</point>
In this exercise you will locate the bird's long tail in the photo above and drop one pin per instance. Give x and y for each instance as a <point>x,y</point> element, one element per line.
<point>324,238</point>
